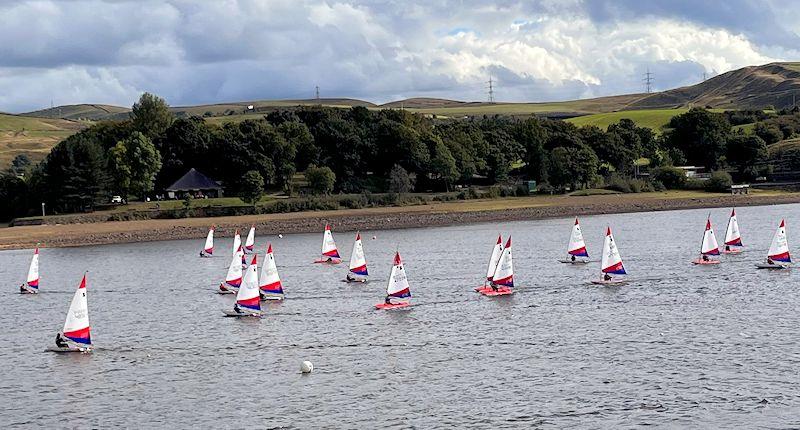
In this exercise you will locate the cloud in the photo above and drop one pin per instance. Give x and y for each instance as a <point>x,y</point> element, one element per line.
<point>190,52</point>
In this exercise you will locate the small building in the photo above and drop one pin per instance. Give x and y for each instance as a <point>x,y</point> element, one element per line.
<point>194,184</point>
<point>695,172</point>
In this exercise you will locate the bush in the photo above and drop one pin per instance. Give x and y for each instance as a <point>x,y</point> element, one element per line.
<point>720,182</point>
<point>670,177</point>
<point>658,186</point>
<point>694,184</point>
<point>321,179</point>
<point>618,183</point>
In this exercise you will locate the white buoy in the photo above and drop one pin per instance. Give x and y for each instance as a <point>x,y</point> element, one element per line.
<point>374,237</point>
<point>280,236</point>
<point>306,367</point>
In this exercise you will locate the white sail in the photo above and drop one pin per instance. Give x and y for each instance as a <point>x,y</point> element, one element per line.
<point>504,274</point>
<point>234,276</point>
<point>611,261</point>
<point>577,246</point>
<point>248,296</point>
<point>710,245</point>
<point>397,287</point>
<point>76,326</point>
<point>237,241</point>
<point>497,249</point>
<point>329,249</point>
<point>358,261</point>
<point>732,235</point>
<point>249,243</point>
<point>779,248</point>
<point>208,248</point>
<point>270,280</point>
<point>33,270</point>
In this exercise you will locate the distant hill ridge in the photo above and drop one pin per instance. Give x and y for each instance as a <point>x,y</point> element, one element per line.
<point>752,87</point>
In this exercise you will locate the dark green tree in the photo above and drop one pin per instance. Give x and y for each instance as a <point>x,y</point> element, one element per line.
<point>320,179</point>
<point>252,187</point>
<point>700,135</point>
<point>746,152</point>
<point>443,165</point>
<point>151,115</point>
<point>399,181</point>
<point>134,164</point>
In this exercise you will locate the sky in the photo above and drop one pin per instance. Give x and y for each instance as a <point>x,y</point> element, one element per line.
<point>197,52</point>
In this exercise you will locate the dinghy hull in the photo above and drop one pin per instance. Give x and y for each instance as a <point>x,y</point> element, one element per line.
<point>771,266</point>
<point>229,313</point>
<point>68,349</point>
<point>732,252</point>
<point>579,262</point>
<point>610,282</point>
<point>491,292</point>
<point>326,261</point>
<point>387,306</point>
<point>701,262</point>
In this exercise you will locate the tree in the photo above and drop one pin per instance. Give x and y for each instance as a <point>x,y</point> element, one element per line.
<point>20,164</point>
<point>700,135</point>
<point>252,187</point>
<point>74,175</point>
<point>443,165</point>
<point>399,181</point>
<point>745,152</point>
<point>151,115</point>
<point>671,177</point>
<point>321,179</point>
<point>134,164</point>
<point>13,192</point>
<point>572,166</point>
<point>719,182</point>
<point>532,136</point>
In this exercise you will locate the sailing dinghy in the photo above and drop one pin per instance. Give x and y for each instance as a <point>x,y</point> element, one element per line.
<point>250,242</point>
<point>576,249</point>
<point>502,282</point>
<point>330,255</point>
<point>237,241</point>
<point>208,248</point>
<point>778,255</point>
<point>611,263</point>
<point>75,337</point>
<point>398,294</point>
<point>708,247</point>
<point>248,303</point>
<point>497,250</point>
<point>733,239</point>
<point>233,280</point>
<point>358,263</point>
<point>31,285</point>
<point>270,282</point>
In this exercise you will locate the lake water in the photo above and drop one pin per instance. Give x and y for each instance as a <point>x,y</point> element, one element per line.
<point>681,346</point>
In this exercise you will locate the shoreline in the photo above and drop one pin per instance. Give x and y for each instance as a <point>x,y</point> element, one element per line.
<point>430,215</point>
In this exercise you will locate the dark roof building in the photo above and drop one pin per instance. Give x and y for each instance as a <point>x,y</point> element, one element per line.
<point>195,184</point>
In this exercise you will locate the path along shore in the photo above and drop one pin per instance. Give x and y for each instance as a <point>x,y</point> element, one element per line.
<point>439,214</point>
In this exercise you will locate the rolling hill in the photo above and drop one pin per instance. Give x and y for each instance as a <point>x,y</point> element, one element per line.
<point>32,136</point>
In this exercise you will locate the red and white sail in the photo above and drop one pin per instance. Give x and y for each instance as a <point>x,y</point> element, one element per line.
<point>250,241</point>
<point>611,262</point>
<point>33,272</point>
<point>270,281</point>
<point>709,245</point>
<point>76,327</point>
<point>237,241</point>
<point>329,249</point>
<point>208,248</point>
<point>504,274</point>
<point>732,235</point>
<point>358,261</point>
<point>497,250</point>
<point>779,248</point>
<point>398,290</point>
<point>248,297</point>
<point>234,277</point>
<point>577,246</point>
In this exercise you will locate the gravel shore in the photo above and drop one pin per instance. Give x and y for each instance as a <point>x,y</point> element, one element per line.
<point>441,214</point>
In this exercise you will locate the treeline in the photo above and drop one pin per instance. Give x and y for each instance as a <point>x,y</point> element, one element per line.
<point>350,150</point>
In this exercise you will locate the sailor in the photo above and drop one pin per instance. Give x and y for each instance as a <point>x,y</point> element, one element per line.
<point>606,277</point>
<point>573,258</point>
<point>769,261</point>
<point>237,309</point>
<point>705,257</point>
<point>351,278</point>
<point>329,260</point>
<point>222,287</point>
<point>60,341</point>
<point>388,300</point>
<point>727,247</point>
<point>22,288</point>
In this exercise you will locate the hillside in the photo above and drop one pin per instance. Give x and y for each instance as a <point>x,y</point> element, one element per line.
<point>91,112</point>
<point>31,136</point>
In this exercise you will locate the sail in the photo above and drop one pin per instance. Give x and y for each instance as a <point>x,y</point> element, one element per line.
<point>577,246</point>
<point>209,246</point>
<point>248,296</point>
<point>249,243</point>
<point>270,281</point>
<point>234,277</point>
<point>33,270</point>
<point>732,235</point>
<point>237,241</point>
<point>358,261</point>
<point>504,274</point>
<point>497,249</point>
<point>398,282</point>
<point>779,248</point>
<point>76,327</point>
<point>611,262</point>
<point>328,245</point>
<point>709,246</point>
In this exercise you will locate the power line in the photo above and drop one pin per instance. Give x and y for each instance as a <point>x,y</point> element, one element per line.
<point>317,96</point>
<point>648,81</point>
<point>491,89</point>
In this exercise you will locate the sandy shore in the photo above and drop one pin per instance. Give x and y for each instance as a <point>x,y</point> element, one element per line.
<point>447,213</point>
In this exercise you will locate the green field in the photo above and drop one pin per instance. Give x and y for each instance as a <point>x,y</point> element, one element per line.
<point>31,136</point>
<point>656,119</point>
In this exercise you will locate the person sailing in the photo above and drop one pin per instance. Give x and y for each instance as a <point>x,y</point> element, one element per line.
<point>606,277</point>
<point>60,341</point>
<point>22,288</point>
<point>573,258</point>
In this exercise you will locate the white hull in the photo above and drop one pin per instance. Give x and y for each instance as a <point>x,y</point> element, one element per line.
<point>230,313</point>
<point>85,349</point>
